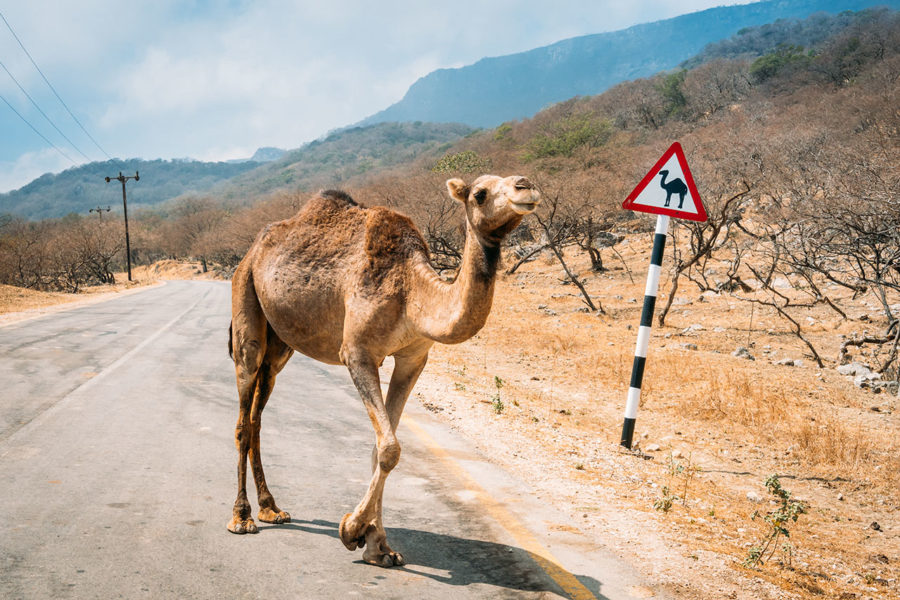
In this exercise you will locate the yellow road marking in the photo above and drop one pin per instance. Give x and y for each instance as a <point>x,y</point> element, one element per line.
<point>566,580</point>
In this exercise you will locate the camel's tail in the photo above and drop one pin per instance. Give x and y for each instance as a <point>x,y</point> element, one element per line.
<point>230,336</point>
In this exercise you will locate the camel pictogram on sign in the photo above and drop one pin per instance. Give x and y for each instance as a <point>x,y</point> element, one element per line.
<point>675,180</point>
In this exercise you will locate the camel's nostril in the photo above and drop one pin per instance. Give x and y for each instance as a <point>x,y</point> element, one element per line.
<point>524,184</point>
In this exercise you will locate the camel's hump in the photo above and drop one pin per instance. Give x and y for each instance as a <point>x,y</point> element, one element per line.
<point>339,196</point>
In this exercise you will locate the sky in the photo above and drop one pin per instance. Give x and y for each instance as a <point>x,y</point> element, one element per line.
<point>217,79</point>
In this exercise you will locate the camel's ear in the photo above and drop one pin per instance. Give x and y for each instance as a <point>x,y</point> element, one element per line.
<point>458,189</point>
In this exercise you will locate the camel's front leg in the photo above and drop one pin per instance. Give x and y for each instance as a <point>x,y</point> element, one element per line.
<point>363,525</point>
<point>407,369</point>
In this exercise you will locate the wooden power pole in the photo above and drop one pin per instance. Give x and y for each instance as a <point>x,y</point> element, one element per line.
<point>123,179</point>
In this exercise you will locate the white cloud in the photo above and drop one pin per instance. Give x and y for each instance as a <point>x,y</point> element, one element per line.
<point>28,167</point>
<point>209,78</point>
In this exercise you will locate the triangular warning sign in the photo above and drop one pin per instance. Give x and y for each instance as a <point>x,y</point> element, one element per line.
<point>668,189</point>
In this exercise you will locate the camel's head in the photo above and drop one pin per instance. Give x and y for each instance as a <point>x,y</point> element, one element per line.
<point>495,205</point>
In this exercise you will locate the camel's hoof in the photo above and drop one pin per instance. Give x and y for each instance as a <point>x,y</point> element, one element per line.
<point>352,536</point>
<point>240,526</point>
<point>267,515</point>
<point>387,560</point>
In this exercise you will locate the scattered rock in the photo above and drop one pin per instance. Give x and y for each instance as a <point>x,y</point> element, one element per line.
<point>681,301</point>
<point>677,454</point>
<point>582,309</point>
<point>754,497</point>
<point>692,329</point>
<point>541,306</point>
<point>798,362</point>
<point>865,380</point>
<point>840,497</point>
<point>719,329</point>
<point>854,368</point>
<point>875,526</point>
<point>742,352</point>
<point>652,448</point>
<point>785,362</point>
<point>689,346</point>
<point>781,283</point>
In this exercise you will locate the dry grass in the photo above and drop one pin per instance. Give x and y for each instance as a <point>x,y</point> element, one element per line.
<point>730,422</point>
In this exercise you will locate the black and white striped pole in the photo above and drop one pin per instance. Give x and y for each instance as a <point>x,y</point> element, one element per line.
<point>667,183</point>
<point>643,339</point>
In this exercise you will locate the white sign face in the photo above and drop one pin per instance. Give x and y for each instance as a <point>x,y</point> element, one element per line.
<point>668,189</point>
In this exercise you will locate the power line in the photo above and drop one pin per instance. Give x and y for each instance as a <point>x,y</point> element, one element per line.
<point>36,131</point>
<point>52,124</point>
<point>50,85</point>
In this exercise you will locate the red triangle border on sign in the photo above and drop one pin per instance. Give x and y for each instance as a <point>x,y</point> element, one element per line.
<point>675,149</point>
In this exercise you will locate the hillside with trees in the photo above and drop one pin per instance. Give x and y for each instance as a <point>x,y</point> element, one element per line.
<point>78,189</point>
<point>516,86</point>
<point>342,155</point>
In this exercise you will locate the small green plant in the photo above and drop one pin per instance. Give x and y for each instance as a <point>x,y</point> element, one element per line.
<point>567,135</point>
<point>665,501</point>
<point>687,470</point>
<point>459,387</point>
<point>788,510</point>
<point>467,161</point>
<point>496,402</point>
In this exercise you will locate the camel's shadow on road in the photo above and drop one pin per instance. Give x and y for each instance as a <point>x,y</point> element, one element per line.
<point>460,561</point>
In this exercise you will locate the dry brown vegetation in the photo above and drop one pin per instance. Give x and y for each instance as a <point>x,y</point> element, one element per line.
<point>797,157</point>
<point>714,426</point>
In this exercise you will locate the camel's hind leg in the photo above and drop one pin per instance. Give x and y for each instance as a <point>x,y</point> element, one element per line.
<point>248,347</point>
<point>277,355</point>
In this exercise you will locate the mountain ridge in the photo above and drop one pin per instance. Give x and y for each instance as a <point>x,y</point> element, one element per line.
<point>494,90</point>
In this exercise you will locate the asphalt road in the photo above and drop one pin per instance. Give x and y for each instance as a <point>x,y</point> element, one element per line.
<point>117,475</point>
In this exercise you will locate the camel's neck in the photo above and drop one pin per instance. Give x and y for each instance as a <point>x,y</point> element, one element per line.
<point>451,313</point>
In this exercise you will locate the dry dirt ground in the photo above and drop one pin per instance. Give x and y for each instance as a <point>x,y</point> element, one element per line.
<point>711,428</point>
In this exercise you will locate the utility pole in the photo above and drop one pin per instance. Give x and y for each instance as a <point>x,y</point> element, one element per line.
<point>123,179</point>
<point>99,211</point>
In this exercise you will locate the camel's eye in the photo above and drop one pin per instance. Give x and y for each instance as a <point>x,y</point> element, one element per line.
<point>480,196</point>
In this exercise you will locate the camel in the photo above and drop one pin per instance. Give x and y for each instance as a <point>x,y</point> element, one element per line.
<point>345,284</point>
<point>676,186</point>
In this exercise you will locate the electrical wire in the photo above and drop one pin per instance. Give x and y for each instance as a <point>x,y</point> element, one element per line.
<point>49,120</point>
<point>36,131</point>
<point>50,85</point>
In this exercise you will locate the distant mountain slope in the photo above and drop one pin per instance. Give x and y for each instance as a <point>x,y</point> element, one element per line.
<point>328,162</point>
<point>495,90</point>
<point>344,154</point>
<point>78,189</point>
